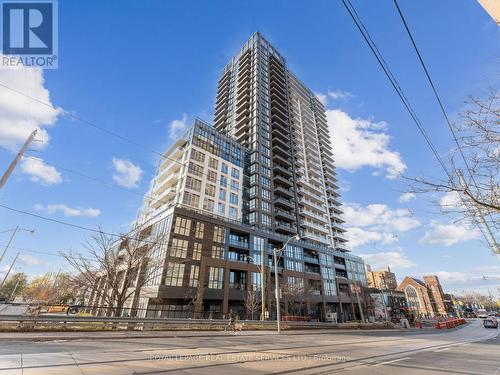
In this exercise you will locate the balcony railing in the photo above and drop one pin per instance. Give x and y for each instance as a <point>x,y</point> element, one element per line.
<point>238,243</point>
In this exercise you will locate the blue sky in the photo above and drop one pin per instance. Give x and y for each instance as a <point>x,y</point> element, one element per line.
<point>145,69</point>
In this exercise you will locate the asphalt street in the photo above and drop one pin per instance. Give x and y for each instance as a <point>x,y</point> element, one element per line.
<point>470,349</point>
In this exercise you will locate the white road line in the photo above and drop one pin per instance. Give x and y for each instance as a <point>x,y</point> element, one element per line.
<point>441,350</point>
<point>394,360</point>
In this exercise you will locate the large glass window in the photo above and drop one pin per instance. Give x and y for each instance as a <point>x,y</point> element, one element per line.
<point>210,190</point>
<point>256,281</point>
<point>235,185</point>
<point>296,283</point>
<point>213,163</point>
<point>200,230</point>
<point>212,176</point>
<point>224,168</point>
<point>182,226</point>
<point>197,248</point>
<point>412,297</point>
<point>208,205</point>
<point>194,275</point>
<point>223,181</point>
<point>233,198</point>
<point>218,234</point>
<point>193,183</point>
<point>197,155</point>
<point>222,195</point>
<point>195,169</point>
<point>175,274</point>
<point>216,278</point>
<point>330,288</point>
<point>217,252</point>
<point>178,248</point>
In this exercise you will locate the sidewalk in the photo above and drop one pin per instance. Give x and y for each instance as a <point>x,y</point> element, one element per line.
<point>112,335</point>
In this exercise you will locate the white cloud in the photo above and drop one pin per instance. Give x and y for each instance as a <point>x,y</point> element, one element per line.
<point>450,200</point>
<point>476,274</point>
<point>448,234</point>
<point>359,236</point>
<point>334,95</point>
<point>361,143</point>
<point>376,223</point>
<point>380,216</point>
<point>340,94</point>
<point>68,211</point>
<point>395,259</point>
<point>177,127</point>
<point>20,115</point>
<point>30,260</point>
<point>127,174</point>
<point>40,172</point>
<point>406,197</point>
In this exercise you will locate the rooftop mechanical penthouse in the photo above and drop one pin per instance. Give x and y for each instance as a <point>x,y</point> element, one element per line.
<point>226,196</point>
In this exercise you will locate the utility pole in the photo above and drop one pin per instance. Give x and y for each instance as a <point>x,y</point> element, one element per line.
<point>262,284</point>
<point>277,280</point>
<point>15,289</point>
<point>8,244</point>
<point>359,303</point>
<point>19,155</point>
<point>10,269</point>
<point>16,229</point>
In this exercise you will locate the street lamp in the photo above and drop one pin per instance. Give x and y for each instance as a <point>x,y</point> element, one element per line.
<point>16,229</point>
<point>276,279</point>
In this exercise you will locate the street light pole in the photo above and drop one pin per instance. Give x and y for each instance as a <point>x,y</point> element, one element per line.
<point>262,286</point>
<point>16,229</point>
<point>276,281</point>
<point>8,243</point>
<point>18,157</point>
<point>8,272</point>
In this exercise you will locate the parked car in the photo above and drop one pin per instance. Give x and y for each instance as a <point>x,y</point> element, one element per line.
<point>482,313</point>
<point>490,323</point>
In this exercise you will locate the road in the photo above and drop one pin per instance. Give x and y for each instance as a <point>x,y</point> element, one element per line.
<point>470,349</point>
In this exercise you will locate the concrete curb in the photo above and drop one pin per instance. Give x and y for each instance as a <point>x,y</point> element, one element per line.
<point>21,336</point>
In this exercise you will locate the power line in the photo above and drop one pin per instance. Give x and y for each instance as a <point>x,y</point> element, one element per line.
<point>43,252</point>
<point>91,178</point>
<point>371,44</point>
<point>81,227</point>
<point>98,180</point>
<point>373,47</point>
<point>441,106</point>
<point>102,129</point>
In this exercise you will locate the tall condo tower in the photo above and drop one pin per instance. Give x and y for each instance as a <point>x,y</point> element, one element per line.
<point>292,179</point>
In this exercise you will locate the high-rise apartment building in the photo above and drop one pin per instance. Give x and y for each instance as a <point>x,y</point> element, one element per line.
<point>225,197</point>
<point>293,185</point>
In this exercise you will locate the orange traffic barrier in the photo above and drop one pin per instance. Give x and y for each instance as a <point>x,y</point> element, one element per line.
<point>450,323</point>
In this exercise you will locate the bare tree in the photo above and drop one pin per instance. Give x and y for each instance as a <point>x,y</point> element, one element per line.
<point>473,180</point>
<point>194,297</point>
<point>115,270</point>
<point>295,298</point>
<point>252,301</point>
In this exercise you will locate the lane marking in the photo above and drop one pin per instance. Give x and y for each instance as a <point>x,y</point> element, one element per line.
<point>394,360</point>
<point>441,350</point>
